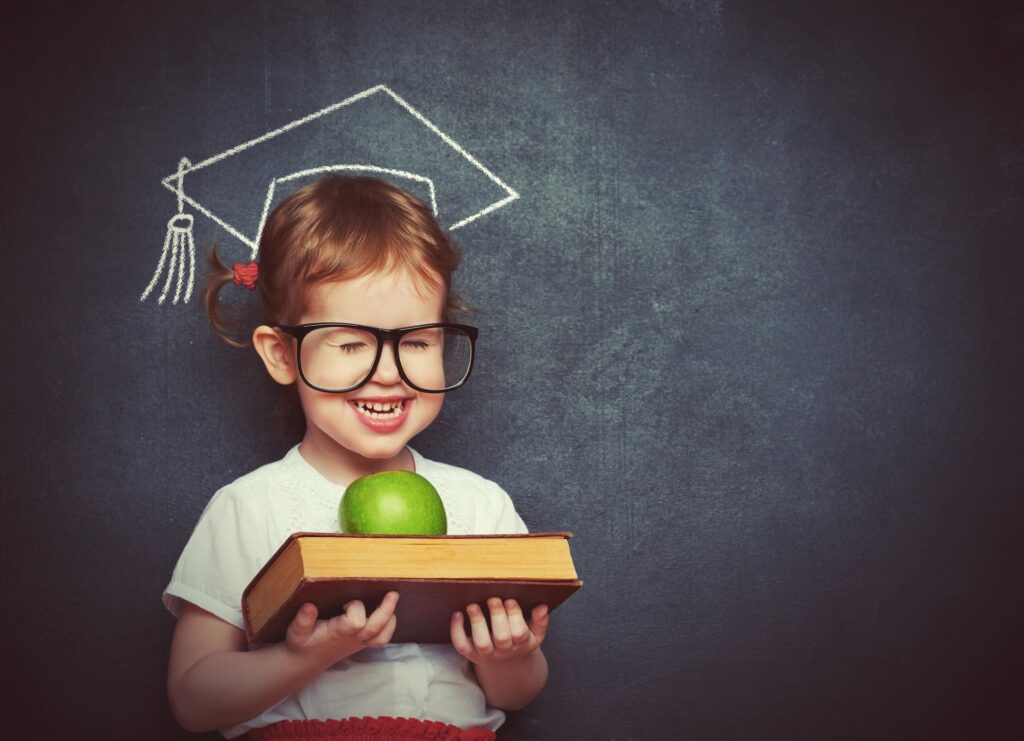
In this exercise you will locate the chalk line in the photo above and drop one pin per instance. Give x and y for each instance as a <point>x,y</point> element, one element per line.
<point>331,168</point>
<point>179,244</point>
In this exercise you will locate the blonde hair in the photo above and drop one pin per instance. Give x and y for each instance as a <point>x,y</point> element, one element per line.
<point>337,228</point>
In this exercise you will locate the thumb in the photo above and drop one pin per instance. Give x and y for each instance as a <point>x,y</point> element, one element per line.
<point>539,622</point>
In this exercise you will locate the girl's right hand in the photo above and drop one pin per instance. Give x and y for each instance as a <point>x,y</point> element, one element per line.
<point>345,634</point>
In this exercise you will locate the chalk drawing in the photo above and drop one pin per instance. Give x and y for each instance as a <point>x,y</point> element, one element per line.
<point>332,168</point>
<point>178,255</point>
<point>178,240</point>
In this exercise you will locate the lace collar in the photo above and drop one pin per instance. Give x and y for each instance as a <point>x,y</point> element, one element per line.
<point>313,499</point>
<point>310,475</point>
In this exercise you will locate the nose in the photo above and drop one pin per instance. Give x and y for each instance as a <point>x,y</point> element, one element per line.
<point>387,368</point>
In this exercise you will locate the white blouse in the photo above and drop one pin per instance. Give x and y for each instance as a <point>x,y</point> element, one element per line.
<point>244,524</point>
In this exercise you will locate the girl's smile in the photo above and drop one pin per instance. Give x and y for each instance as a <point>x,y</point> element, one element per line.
<point>382,414</point>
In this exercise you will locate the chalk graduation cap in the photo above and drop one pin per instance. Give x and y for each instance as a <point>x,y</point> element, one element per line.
<point>374,132</point>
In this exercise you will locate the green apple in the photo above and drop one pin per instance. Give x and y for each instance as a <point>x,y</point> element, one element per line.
<point>392,503</point>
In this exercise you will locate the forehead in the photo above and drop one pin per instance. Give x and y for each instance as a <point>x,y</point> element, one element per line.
<point>387,300</point>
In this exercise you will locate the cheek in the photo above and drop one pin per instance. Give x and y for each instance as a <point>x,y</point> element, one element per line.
<point>430,404</point>
<point>315,403</point>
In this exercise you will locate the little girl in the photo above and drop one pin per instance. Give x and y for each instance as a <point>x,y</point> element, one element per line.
<point>347,265</point>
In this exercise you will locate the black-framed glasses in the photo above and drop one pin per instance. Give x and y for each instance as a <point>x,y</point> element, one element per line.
<point>337,357</point>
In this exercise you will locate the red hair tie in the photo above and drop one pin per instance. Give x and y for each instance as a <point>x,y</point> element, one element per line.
<point>246,274</point>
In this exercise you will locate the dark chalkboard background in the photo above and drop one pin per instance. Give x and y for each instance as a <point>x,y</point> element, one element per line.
<point>752,332</point>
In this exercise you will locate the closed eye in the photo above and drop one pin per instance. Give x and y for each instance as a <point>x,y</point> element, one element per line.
<point>349,347</point>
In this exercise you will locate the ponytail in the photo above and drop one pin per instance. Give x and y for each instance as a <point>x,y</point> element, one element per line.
<point>218,274</point>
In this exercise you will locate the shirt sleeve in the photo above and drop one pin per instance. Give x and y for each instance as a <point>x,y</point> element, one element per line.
<point>218,562</point>
<point>504,518</point>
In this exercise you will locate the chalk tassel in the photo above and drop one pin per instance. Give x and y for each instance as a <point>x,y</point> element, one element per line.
<point>180,246</point>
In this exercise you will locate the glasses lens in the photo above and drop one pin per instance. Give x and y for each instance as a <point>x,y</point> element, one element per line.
<point>436,358</point>
<point>339,358</point>
<point>336,358</point>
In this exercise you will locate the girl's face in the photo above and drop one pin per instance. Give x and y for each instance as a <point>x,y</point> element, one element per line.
<point>338,436</point>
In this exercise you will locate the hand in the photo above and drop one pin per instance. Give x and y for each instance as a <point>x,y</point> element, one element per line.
<point>345,634</point>
<point>509,640</point>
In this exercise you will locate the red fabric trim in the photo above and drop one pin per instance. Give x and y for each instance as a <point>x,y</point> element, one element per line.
<point>370,729</point>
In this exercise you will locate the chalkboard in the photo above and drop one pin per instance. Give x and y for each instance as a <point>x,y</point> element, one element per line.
<point>751,330</point>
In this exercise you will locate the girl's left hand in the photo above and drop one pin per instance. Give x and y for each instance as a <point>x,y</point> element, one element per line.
<point>509,639</point>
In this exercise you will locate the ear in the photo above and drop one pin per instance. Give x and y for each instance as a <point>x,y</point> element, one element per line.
<point>275,349</point>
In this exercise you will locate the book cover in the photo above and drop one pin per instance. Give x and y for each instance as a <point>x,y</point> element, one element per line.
<point>435,575</point>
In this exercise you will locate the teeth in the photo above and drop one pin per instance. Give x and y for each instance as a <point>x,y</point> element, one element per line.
<point>380,410</point>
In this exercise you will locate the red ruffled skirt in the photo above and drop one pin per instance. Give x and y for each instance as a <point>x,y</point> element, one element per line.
<point>370,729</point>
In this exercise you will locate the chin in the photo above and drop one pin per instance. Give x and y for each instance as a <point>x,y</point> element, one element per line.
<point>384,455</point>
<point>381,450</point>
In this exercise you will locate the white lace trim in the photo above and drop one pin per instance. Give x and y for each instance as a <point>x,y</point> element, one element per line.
<point>312,500</point>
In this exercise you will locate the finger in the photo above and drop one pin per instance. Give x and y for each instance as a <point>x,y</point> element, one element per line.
<point>390,601</point>
<point>459,639</point>
<point>302,624</point>
<point>539,622</point>
<point>478,627</point>
<point>307,613</point>
<point>353,619</point>
<point>305,618</point>
<point>501,635</point>
<point>384,610</point>
<point>380,617</point>
<point>383,638</point>
<point>517,623</point>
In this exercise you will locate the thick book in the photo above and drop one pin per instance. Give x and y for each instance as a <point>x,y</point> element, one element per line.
<point>434,575</point>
